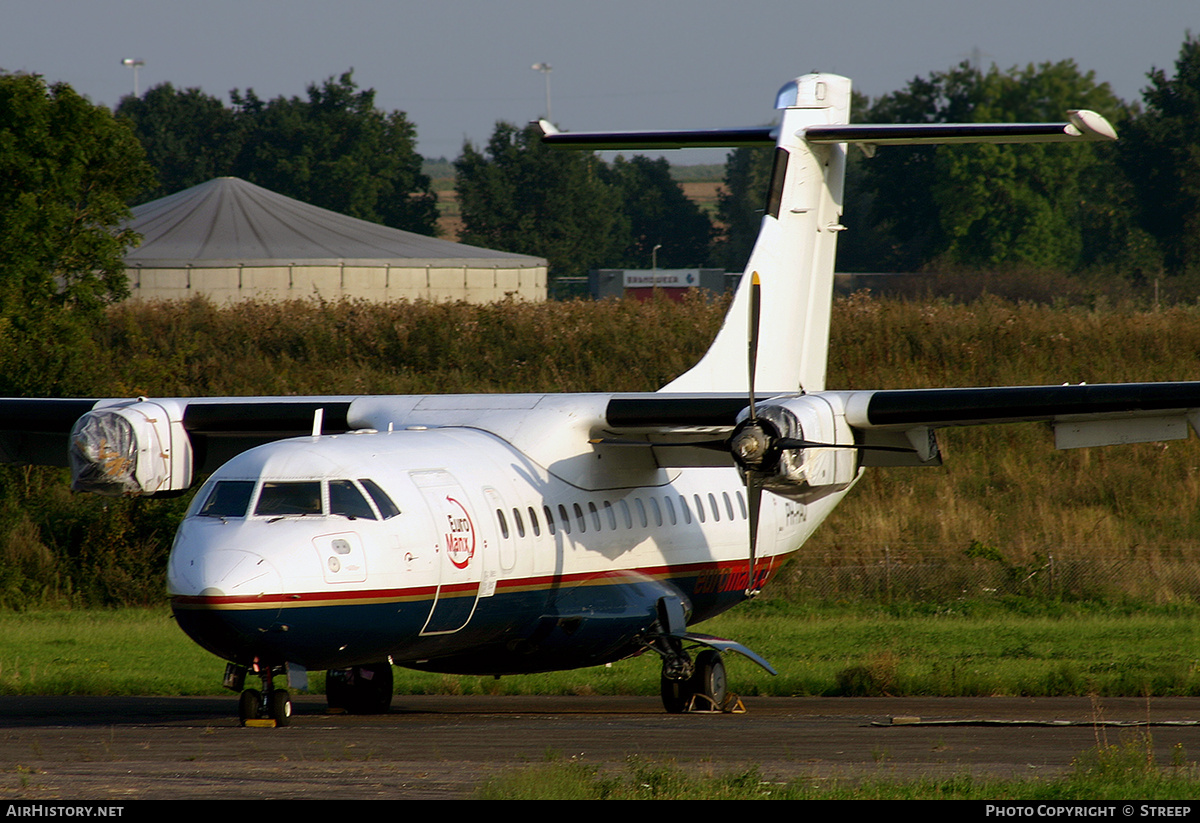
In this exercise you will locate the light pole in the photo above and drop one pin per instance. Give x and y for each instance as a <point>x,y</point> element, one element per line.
<point>134,63</point>
<point>545,69</point>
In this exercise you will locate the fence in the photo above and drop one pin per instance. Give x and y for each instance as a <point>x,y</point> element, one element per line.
<point>937,575</point>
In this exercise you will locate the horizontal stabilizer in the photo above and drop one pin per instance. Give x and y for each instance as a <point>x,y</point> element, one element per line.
<point>700,139</point>
<point>1083,126</point>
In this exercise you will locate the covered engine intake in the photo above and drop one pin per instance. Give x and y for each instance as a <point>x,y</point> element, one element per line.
<point>134,449</point>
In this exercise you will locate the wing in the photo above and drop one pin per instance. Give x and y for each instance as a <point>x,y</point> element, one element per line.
<point>897,427</point>
<point>148,447</point>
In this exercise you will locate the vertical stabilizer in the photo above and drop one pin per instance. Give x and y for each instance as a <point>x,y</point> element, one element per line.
<point>793,255</point>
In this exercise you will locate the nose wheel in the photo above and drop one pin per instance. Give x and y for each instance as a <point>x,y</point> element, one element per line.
<point>266,707</point>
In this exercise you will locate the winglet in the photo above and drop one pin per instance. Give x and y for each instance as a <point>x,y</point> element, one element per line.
<point>547,127</point>
<point>1091,125</point>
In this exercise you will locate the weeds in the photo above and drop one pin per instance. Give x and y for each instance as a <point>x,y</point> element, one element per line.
<point>1032,522</point>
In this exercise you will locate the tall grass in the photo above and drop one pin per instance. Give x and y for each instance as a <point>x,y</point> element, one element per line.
<point>1004,490</point>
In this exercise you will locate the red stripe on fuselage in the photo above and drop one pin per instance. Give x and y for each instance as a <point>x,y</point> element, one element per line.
<point>711,578</point>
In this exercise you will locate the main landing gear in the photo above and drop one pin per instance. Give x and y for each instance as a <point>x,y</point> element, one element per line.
<point>694,686</point>
<point>266,706</point>
<point>360,689</point>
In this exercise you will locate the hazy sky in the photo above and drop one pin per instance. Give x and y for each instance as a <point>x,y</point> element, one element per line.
<point>458,66</point>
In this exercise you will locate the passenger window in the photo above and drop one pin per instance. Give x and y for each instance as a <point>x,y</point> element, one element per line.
<point>728,504</point>
<point>625,514</point>
<point>503,523</point>
<point>742,505</point>
<point>520,523</point>
<point>345,499</point>
<point>658,521</point>
<point>612,516</point>
<point>670,511</point>
<point>549,519</point>
<point>712,502</point>
<point>291,498</point>
<point>533,521</point>
<point>564,519</point>
<point>595,516</point>
<point>687,513</point>
<point>579,519</point>
<point>641,510</point>
<point>384,503</point>
<point>228,498</point>
<point>699,507</point>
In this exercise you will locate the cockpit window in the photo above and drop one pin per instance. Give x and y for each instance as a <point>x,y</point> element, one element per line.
<point>345,499</point>
<point>289,498</point>
<point>386,507</point>
<point>228,498</point>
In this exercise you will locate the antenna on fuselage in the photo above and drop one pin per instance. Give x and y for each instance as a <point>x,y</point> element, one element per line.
<point>318,421</point>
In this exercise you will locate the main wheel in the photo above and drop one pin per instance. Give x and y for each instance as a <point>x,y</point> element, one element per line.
<point>281,707</point>
<point>249,705</point>
<point>360,689</point>
<point>371,689</point>
<point>709,678</point>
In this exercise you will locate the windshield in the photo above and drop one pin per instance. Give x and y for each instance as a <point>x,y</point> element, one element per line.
<point>289,498</point>
<point>228,498</point>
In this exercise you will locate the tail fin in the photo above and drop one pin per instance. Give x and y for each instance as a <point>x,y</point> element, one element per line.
<point>794,253</point>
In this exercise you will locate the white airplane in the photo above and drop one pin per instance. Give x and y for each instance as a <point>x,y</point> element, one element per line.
<point>504,534</point>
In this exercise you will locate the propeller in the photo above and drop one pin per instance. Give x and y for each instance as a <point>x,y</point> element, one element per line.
<point>756,443</point>
<point>751,442</point>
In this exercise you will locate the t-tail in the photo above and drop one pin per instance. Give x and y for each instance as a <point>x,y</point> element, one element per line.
<point>797,242</point>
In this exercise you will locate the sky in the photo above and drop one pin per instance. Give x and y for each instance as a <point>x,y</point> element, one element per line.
<point>456,67</point>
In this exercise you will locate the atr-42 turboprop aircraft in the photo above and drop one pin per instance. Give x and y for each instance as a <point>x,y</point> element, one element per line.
<point>501,534</point>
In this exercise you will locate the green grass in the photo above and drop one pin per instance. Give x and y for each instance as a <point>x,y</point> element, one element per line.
<point>1115,772</point>
<point>987,650</point>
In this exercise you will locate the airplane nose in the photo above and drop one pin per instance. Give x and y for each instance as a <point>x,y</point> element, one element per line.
<point>222,573</point>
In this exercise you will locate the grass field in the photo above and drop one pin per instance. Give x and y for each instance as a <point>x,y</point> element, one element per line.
<point>1118,772</point>
<point>983,649</point>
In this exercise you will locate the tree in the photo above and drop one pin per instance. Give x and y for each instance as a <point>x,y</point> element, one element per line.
<point>521,196</point>
<point>660,214</point>
<point>337,151</point>
<point>1160,153</point>
<point>990,204</point>
<point>190,137</point>
<point>67,168</point>
<point>740,205</point>
<point>333,149</point>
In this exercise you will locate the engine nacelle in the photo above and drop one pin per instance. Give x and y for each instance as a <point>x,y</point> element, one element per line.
<point>801,472</point>
<point>130,449</point>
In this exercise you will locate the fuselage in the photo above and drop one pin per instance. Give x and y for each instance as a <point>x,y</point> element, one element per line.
<point>451,549</point>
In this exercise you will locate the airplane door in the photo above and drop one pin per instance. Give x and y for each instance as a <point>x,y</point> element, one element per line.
<point>460,551</point>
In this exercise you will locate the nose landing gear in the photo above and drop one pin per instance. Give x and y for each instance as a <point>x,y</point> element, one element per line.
<point>268,707</point>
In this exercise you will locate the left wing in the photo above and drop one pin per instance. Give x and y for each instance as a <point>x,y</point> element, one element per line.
<point>814,436</point>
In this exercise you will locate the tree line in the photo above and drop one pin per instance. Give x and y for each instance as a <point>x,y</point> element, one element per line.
<point>1128,210</point>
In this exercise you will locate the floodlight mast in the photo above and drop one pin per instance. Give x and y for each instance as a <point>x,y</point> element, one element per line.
<point>134,63</point>
<point>545,69</point>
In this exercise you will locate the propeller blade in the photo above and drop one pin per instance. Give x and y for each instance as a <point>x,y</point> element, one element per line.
<point>755,312</point>
<point>712,445</point>
<point>754,486</point>
<point>793,443</point>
